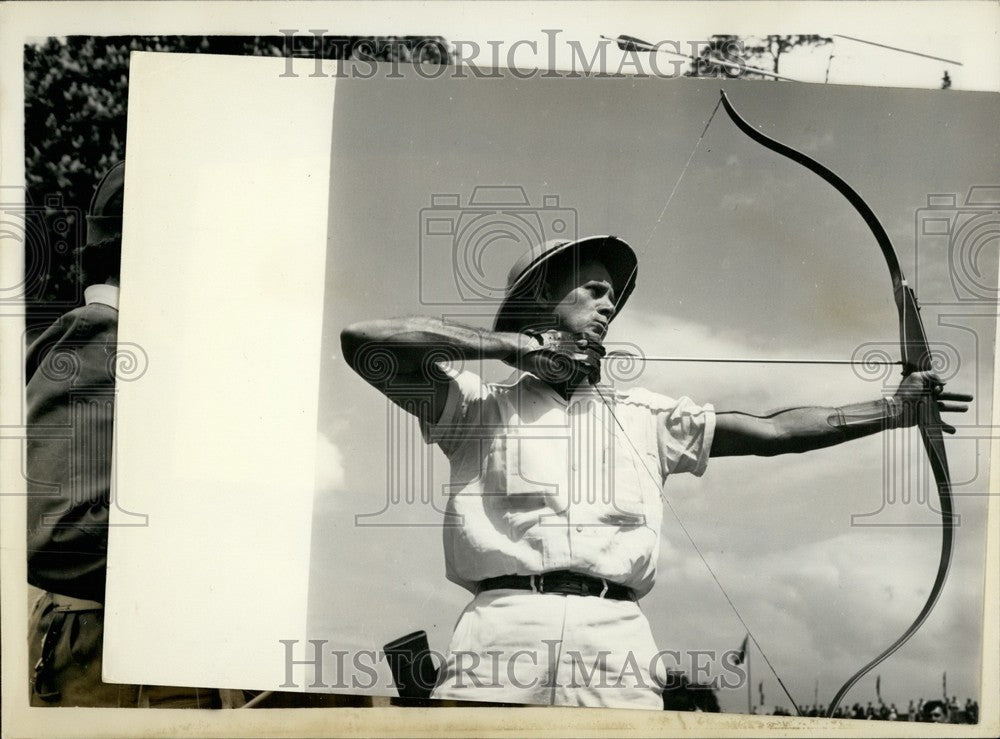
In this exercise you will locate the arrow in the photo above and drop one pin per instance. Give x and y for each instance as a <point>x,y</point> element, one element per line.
<point>726,360</point>
<point>631,43</point>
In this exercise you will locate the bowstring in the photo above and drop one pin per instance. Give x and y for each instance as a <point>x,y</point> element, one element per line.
<point>680,522</point>
<point>659,483</point>
<point>677,184</point>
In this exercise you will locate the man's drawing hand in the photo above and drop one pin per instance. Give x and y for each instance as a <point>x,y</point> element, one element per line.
<point>562,357</point>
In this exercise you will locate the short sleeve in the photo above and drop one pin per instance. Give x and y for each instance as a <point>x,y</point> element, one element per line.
<point>684,434</point>
<point>463,411</point>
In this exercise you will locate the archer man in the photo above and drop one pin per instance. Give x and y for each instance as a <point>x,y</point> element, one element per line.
<point>556,480</point>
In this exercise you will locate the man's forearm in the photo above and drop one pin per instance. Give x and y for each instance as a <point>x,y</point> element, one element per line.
<point>804,429</point>
<point>412,338</point>
<point>795,430</point>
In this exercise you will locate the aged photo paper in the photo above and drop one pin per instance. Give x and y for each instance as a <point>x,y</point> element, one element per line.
<point>295,512</point>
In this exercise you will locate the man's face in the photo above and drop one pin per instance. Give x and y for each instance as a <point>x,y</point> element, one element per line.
<point>584,301</point>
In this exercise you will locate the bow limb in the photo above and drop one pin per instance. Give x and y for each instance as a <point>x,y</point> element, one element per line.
<point>914,343</point>
<point>916,357</point>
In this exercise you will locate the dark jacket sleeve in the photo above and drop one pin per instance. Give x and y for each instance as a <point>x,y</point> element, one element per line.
<point>70,398</point>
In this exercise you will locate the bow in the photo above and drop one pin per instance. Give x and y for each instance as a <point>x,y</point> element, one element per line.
<point>916,356</point>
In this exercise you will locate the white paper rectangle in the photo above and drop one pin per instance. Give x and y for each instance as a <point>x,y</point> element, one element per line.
<point>222,290</point>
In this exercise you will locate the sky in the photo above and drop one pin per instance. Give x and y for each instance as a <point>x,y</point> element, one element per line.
<point>753,257</point>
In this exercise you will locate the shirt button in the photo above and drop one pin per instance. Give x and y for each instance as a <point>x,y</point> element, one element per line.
<point>579,529</point>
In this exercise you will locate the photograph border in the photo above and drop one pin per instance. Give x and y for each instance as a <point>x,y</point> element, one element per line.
<point>32,20</point>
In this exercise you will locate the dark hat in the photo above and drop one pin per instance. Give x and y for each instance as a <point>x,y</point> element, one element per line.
<point>531,268</point>
<point>104,219</point>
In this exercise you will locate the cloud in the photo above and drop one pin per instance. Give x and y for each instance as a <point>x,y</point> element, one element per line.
<point>329,466</point>
<point>749,387</point>
<point>822,609</point>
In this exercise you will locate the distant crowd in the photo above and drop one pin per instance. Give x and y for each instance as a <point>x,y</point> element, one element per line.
<point>932,711</point>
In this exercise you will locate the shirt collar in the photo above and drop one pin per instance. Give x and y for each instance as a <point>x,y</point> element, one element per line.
<point>104,294</point>
<point>516,377</point>
<point>528,378</point>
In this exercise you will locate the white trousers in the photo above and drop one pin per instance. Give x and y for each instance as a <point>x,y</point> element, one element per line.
<point>514,646</point>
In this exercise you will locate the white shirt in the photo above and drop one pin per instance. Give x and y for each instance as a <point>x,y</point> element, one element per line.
<point>539,483</point>
<point>102,293</point>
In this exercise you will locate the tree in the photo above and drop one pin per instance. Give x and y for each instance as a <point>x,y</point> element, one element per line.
<point>76,94</point>
<point>776,46</point>
<point>754,52</point>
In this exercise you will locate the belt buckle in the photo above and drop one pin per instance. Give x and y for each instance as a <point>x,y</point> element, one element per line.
<point>538,583</point>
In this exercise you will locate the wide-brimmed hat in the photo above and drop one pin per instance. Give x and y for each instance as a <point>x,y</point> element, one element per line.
<point>534,267</point>
<point>104,219</point>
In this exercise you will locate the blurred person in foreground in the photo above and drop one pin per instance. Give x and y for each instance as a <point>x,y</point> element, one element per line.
<point>70,395</point>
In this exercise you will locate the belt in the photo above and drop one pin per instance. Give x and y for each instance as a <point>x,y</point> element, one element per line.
<point>561,582</point>
<point>70,604</point>
<point>61,606</point>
